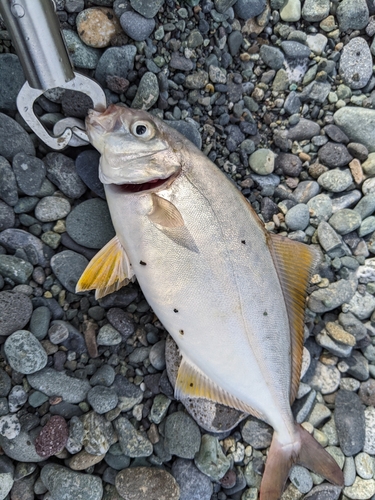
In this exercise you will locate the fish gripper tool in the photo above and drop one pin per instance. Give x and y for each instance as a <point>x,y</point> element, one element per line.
<point>35,32</point>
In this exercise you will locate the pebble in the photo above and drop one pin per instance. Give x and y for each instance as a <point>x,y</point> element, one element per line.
<point>364,129</point>
<point>147,93</point>
<point>24,352</point>
<point>105,375</point>
<point>68,267</point>
<point>364,465</point>
<point>349,471</point>
<point>295,50</point>
<point>140,483</point>
<point>52,208</point>
<point>334,155</point>
<point>192,483</point>
<point>336,294</point>
<point>157,355</point>
<point>336,180</point>
<point>12,79</point>
<point>345,221</point>
<point>9,426</point>
<point>64,484</point>
<point>210,459</point>
<point>120,320</point>
<point>188,130</point>
<point>262,161</point>
<point>102,399</point>
<point>350,422</point>
<point>97,26</point>
<point>366,206</point>
<point>7,217</point>
<point>115,61</point>
<point>356,63</point>
<point>87,165</point>
<point>30,173</point>
<point>81,54</point>
<point>136,26</point>
<point>314,11</point>
<point>8,186</point>
<point>304,130</point>
<point>301,478</point>
<point>256,433</point>
<point>84,460</point>
<point>361,489</point>
<point>298,217</point>
<point>6,483</point>
<point>15,311</point>
<point>17,397</point>
<point>98,433</point>
<point>324,378</point>
<point>52,437</point>
<point>369,444</point>
<point>52,383</point>
<point>272,56</point>
<point>132,442</point>
<point>5,383</point>
<point>247,9</point>
<point>61,171</point>
<point>291,12</point>
<point>13,138</point>
<point>352,14</point>
<point>108,335</point>
<point>89,224</point>
<point>367,392</point>
<point>182,435</point>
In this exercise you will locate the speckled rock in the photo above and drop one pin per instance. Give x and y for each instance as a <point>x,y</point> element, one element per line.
<point>210,459</point>
<point>102,399</point>
<point>345,221</point>
<point>24,352</point>
<point>356,63</point>
<point>336,180</point>
<point>192,483</point>
<point>30,173</point>
<point>350,422</point>
<point>352,14</point>
<point>61,171</point>
<point>65,484</point>
<point>132,442</point>
<point>116,61</point>
<point>262,161</point>
<point>80,53</point>
<point>97,26</point>
<point>182,435</point>
<point>68,267</point>
<point>13,138</point>
<point>98,433</point>
<point>22,447</point>
<point>147,92</point>
<point>358,124</point>
<point>52,437</point>
<point>15,311</point>
<point>140,483</point>
<point>361,489</point>
<point>136,26</point>
<point>52,208</point>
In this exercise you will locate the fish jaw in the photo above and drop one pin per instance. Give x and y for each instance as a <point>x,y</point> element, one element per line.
<point>134,146</point>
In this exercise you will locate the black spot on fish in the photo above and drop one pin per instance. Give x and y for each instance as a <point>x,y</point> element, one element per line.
<point>181,332</point>
<point>142,263</point>
<point>265,313</point>
<point>191,384</point>
<point>175,310</point>
<point>243,242</point>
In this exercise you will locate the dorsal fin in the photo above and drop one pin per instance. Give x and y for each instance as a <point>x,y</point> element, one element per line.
<point>108,271</point>
<point>294,263</point>
<point>165,213</point>
<point>192,382</point>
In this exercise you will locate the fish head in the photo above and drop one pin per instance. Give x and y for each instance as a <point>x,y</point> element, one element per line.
<point>137,149</point>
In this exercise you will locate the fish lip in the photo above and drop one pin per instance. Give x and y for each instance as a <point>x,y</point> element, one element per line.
<point>160,184</point>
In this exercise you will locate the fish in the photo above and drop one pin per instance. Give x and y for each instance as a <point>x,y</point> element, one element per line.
<point>231,294</point>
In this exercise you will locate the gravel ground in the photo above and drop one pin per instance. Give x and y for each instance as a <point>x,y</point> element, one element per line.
<point>281,96</point>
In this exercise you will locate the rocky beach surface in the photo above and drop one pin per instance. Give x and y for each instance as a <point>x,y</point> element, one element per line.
<point>280,94</point>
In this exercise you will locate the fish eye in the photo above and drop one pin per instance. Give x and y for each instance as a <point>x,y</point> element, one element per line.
<point>142,130</point>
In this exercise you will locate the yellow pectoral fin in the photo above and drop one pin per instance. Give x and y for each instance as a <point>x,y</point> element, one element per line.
<point>294,263</point>
<point>108,271</point>
<point>193,383</point>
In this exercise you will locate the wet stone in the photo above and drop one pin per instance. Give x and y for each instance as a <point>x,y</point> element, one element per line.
<point>21,448</point>
<point>116,61</point>
<point>345,221</point>
<point>180,62</point>
<point>61,171</point>
<point>52,208</point>
<point>52,438</point>
<point>97,26</point>
<point>98,433</point>
<point>334,155</point>
<point>210,459</point>
<point>140,483</point>
<point>336,180</point>
<point>256,433</point>
<point>64,483</point>
<point>24,352</point>
<point>13,138</point>
<point>192,483</point>
<point>132,442</point>
<point>136,26</point>
<point>350,422</point>
<point>82,55</point>
<point>102,399</point>
<point>68,267</point>
<point>305,129</point>
<point>87,166</point>
<point>30,172</point>
<point>182,435</point>
<point>15,312</point>
<point>147,92</point>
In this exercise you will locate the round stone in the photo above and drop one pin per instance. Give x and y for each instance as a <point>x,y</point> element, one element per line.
<point>7,217</point>
<point>116,61</point>
<point>350,422</point>
<point>352,14</point>
<point>358,124</point>
<point>136,26</point>
<point>298,217</point>
<point>345,221</point>
<point>143,483</point>
<point>13,138</point>
<point>81,54</point>
<point>192,483</point>
<point>39,322</point>
<point>97,26</point>
<point>301,478</point>
<point>5,383</point>
<point>336,180</point>
<point>52,437</point>
<point>30,173</point>
<point>64,484</point>
<point>105,375</point>
<point>182,435</point>
<point>102,399</point>
<point>68,266</point>
<point>361,489</point>
<point>315,10</point>
<point>246,9</point>
<point>61,171</point>
<point>10,426</point>
<point>256,433</point>
<point>356,63</point>
<point>24,352</point>
<point>22,447</point>
<point>89,224</point>
<point>262,161</point>
<point>291,12</point>
<point>108,335</point>
<point>52,208</point>
<point>15,311</point>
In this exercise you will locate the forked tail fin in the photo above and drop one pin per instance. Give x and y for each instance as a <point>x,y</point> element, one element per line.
<point>311,455</point>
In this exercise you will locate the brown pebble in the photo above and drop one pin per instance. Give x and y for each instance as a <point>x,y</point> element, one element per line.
<point>367,392</point>
<point>55,400</point>
<point>304,156</point>
<point>84,460</point>
<point>89,332</point>
<point>146,483</point>
<point>97,26</point>
<point>117,84</point>
<point>52,438</point>
<point>317,169</point>
<point>356,170</point>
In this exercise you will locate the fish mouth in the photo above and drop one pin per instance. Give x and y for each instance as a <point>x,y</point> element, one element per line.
<point>151,185</point>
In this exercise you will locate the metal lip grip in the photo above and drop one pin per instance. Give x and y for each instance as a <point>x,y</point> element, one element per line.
<point>35,31</point>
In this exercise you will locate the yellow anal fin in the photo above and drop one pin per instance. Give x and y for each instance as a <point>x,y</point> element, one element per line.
<point>294,263</point>
<point>193,383</point>
<point>108,271</point>
<point>165,213</point>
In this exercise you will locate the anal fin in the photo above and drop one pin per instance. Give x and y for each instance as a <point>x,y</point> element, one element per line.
<point>108,271</point>
<point>193,383</point>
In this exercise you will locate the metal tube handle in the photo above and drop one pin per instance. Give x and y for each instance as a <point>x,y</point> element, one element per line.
<point>35,32</point>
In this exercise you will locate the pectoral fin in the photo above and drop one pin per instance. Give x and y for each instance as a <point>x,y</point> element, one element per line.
<point>108,271</point>
<point>294,263</point>
<point>192,382</point>
<point>165,213</point>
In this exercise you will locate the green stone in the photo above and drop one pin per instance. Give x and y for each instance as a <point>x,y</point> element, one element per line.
<point>210,459</point>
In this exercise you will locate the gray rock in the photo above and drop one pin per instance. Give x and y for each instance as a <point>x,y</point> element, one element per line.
<point>140,483</point>
<point>324,378</point>
<point>192,483</point>
<point>320,207</point>
<point>22,447</point>
<point>6,483</point>
<point>13,138</point>
<point>52,208</point>
<point>136,26</point>
<point>315,10</point>
<point>336,294</point>
<point>188,130</point>
<point>98,433</point>
<point>122,298</point>
<point>24,352</point>
<point>345,200</point>
<point>246,9</point>
<point>336,180</point>
<point>18,270</point>
<point>5,383</point>
<point>30,173</point>
<point>117,61</point>
<point>157,355</point>
<point>196,80</point>
<point>147,92</point>
<point>350,422</point>
<point>345,221</point>
<point>298,217</point>
<point>82,55</point>
<point>295,50</point>
<point>301,478</point>
<point>334,155</point>
<point>39,322</point>
<point>68,267</point>
<point>369,444</point>
<point>182,435</point>
<point>7,217</point>
<point>102,399</point>
<point>108,335</point>
<point>352,325</point>
<point>128,393</point>
<point>61,171</point>
<point>12,79</point>
<point>349,471</point>
<point>290,164</point>
<point>352,14</point>
<point>235,40</point>
<point>262,161</point>
<point>64,483</point>
<point>53,383</point>
<point>358,151</point>
<point>315,92</point>
<point>105,375</point>
<point>337,135</point>
<point>305,191</point>
<point>356,63</point>
<point>132,442</point>
<point>13,239</point>
<point>367,227</point>
<point>257,433</point>
<point>146,8</point>
<point>362,306</point>
<point>292,103</point>
<point>89,224</point>
<point>304,130</point>
<point>121,321</point>
<point>87,166</point>
<point>358,124</point>
<point>210,459</point>
<point>8,184</point>
<point>180,62</point>
<point>15,311</point>
<point>272,56</point>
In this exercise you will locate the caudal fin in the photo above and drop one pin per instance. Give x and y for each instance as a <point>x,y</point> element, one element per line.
<point>281,458</point>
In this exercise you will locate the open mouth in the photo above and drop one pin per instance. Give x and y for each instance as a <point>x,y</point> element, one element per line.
<point>145,186</point>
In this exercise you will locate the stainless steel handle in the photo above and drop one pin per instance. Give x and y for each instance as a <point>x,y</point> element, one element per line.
<point>35,32</point>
